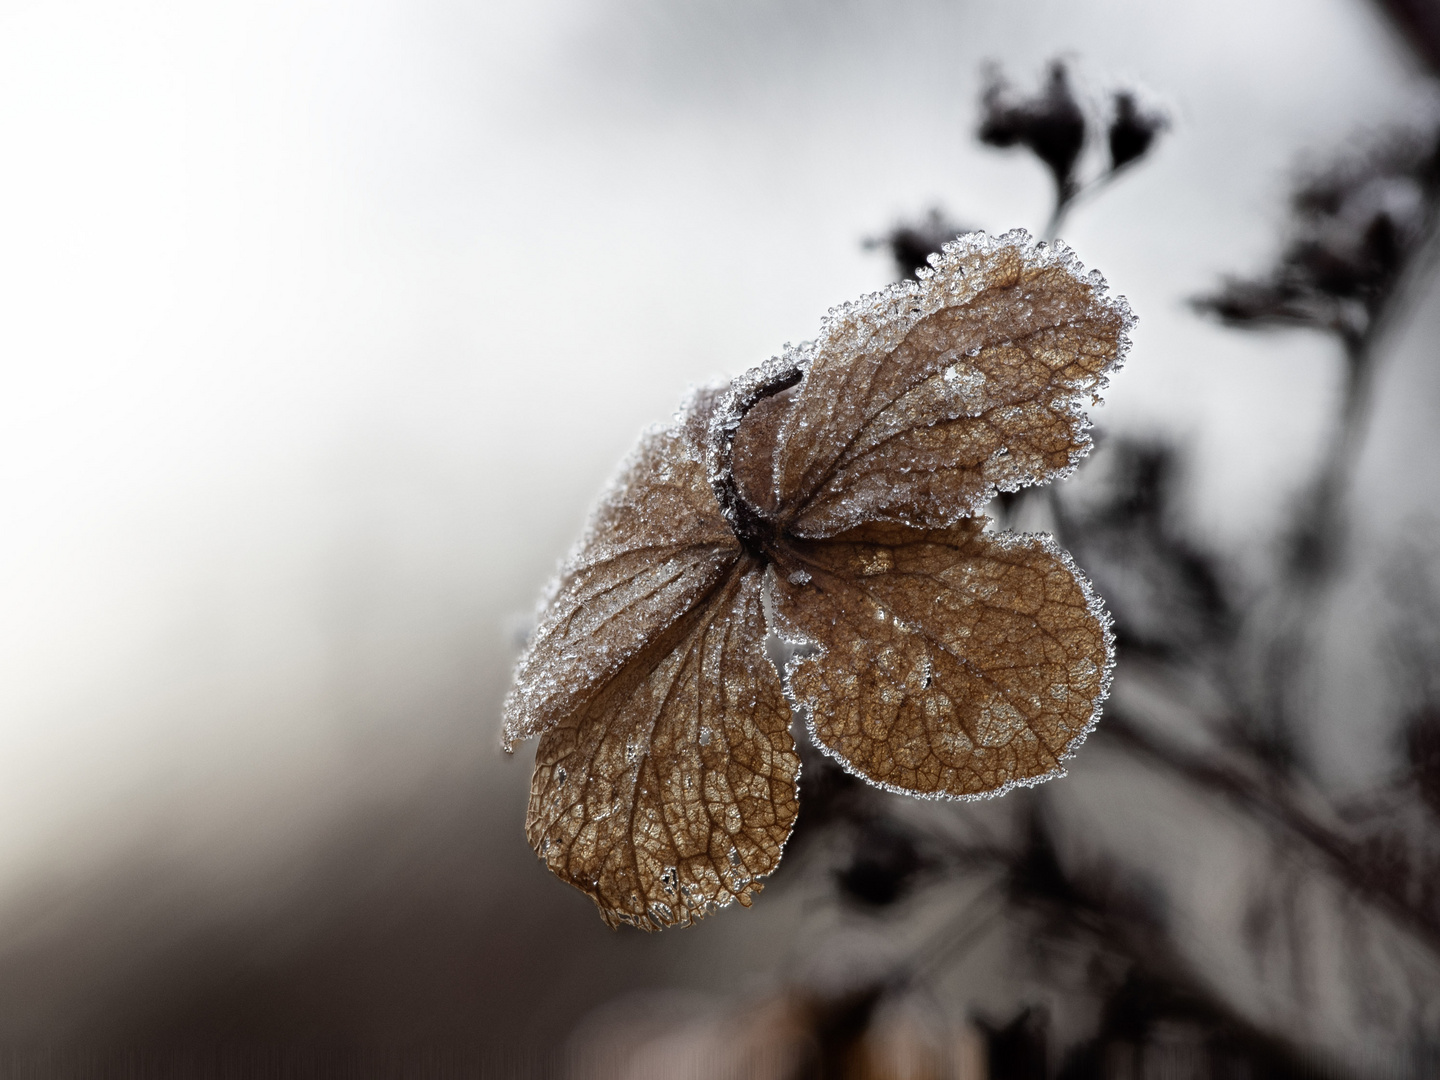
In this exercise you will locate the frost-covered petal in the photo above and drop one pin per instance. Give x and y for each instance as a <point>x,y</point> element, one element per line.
<point>673,791</point>
<point>954,663</point>
<point>922,400</point>
<point>655,546</point>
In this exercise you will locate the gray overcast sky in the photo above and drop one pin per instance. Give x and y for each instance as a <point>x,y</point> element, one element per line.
<point>320,324</point>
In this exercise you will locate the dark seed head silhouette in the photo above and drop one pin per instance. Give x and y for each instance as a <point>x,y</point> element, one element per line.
<point>842,483</point>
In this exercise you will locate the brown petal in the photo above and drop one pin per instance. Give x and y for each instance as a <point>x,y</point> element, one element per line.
<point>754,455</point>
<point>925,398</point>
<point>671,792</point>
<point>655,546</point>
<point>954,662</point>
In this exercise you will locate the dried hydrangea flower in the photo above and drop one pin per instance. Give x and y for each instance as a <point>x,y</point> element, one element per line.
<point>843,480</point>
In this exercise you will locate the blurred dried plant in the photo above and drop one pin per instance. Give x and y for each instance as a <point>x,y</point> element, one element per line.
<point>831,494</point>
<point>1055,127</point>
<point>1354,226</point>
<point>1051,125</point>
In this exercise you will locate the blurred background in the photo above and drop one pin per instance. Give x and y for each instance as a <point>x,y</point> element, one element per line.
<point>322,324</point>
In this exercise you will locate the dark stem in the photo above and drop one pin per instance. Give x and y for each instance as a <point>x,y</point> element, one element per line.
<point>753,529</point>
<point>1319,545</point>
<point>1064,197</point>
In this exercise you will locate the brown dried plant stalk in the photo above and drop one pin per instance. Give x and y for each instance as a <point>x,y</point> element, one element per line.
<point>830,496</point>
